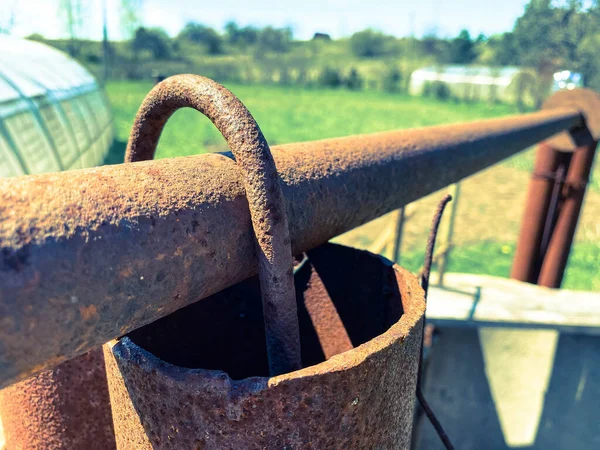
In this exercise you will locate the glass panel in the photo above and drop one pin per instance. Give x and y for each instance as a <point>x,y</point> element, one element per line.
<point>32,145</point>
<point>9,165</point>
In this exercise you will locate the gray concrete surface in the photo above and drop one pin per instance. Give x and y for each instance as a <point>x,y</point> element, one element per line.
<point>501,389</point>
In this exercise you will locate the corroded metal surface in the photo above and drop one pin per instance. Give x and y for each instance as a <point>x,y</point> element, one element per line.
<point>67,408</point>
<point>587,102</point>
<point>558,183</point>
<point>572,195</point>
<point>263,192</point>
<point>528,255</point>
<point>90,255</point>
<point>167,390</point>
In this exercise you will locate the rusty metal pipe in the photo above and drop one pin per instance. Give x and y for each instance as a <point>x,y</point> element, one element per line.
<point>527,260</point>
<point>263,191</point>
<point>198,378</point>
<point>557,254</point>
<point>66,408</point>
<point>90,255</point>
<point>540,216</point>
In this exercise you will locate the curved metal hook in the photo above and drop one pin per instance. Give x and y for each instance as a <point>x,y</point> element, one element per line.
<point>265,198</point>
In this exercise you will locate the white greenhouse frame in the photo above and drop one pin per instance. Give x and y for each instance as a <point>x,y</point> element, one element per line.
<point>53,114</point>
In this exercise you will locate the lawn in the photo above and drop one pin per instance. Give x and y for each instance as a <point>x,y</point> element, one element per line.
<point>293,115</point>
<point>491,202</point>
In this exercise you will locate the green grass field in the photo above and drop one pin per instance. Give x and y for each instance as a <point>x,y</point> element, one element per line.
<point>293,115</point>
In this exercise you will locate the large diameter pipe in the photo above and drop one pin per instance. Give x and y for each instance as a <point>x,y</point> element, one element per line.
<point>90,255</point>
<point>65,408</point>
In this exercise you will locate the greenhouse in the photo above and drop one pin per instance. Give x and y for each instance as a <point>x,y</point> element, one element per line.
<point>53,114</point>
<point>514,85</point>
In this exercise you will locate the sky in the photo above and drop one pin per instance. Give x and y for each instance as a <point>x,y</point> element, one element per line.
<point>339,18</point>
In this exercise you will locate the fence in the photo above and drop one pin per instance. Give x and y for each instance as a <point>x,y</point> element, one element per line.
<point>90,255</point>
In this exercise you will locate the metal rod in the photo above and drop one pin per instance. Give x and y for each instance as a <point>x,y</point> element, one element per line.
<point>263,192</point>
<point>89,255</point>
<point>557,253</point>
<point>398,236</point>
<point>447,232</point>
<point>437,217</point>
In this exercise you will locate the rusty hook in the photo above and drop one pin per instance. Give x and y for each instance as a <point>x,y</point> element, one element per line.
<point>263,191</point>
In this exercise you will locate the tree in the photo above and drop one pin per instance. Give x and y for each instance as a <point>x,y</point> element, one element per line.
<point>435,47</point>
<point>330,77</point>
<point>588,52</point>
<point>241,37</point>
<point>203,35</point>
<point>539,35</point>
<point>368,43</point>
<point>232,32</point>
<point>501,50</point>
<point>73,13</point>
<point>153,40</point>
<point>275,39</point>
<point>462,49</point>
<point>130,16</point>
<point>354,80</point>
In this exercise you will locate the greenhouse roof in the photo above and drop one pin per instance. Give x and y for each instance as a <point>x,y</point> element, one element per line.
<point>44,69</point>
<point>53,114</point>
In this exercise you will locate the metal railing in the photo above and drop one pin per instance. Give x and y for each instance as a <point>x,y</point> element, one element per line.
<point>90,255</point>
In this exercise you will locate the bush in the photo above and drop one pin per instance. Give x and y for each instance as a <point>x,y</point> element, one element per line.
<point>354,80</point>
<point>438,90</point>
<point>275,40</point>
<point>330,77</point>
<point>153,40</point>
<point>241,37</point>
<point>203,35</point>
<point>392,79</point>
<point>368,44</point>
<point>525,88</point>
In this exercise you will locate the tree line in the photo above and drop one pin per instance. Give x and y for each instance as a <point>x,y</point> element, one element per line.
<point>549,36</point>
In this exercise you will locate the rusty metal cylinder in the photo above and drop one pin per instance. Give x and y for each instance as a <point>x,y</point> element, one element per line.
<point>198,378</point>
<point>66,408</point>
<point>528,256</point>
<point>555,261</point>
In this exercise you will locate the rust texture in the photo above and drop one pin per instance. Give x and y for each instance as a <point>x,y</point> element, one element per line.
<point>197,379</point>
<point>587,102</point>
<point>425,276</point>
<point>263,191</point>
<point>67,408</point>
<point>553,201</point>
<point>90,255</point>
<point>572,195</point>
<point>528,256</point>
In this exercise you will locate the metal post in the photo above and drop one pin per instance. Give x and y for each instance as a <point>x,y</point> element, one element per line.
<point>549,224</point>
<point>527,260</point>
<point>557,254</point>
<point>398,237</point>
